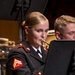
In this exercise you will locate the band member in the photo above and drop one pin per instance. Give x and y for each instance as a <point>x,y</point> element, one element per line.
<point>28,57</point>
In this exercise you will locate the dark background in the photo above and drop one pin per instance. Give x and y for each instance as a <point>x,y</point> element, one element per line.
<point>56,8</point>
<point>16,10</point>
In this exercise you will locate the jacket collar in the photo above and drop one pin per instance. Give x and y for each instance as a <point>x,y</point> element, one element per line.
<point>33,53</point>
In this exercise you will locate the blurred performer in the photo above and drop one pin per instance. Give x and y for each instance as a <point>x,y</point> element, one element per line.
<point>65,30</point>
<point>65,27</point>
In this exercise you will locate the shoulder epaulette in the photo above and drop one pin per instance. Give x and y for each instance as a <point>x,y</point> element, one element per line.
<point>22,46</point>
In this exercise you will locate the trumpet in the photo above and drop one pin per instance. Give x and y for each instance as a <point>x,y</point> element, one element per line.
<point>45,41</point>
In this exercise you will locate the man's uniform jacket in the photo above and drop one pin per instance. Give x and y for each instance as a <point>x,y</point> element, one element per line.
<point>23,60</point>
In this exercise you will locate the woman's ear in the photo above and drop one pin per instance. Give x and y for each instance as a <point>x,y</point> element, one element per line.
<point>58,35</point>
<point>26,29</point>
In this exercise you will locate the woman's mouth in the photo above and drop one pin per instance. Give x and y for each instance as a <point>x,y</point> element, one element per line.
<point>44,41</point>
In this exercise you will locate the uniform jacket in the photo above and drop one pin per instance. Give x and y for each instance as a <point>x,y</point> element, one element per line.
<point>23,60</point>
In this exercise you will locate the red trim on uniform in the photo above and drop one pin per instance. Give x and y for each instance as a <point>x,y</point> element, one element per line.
<point>25,48</point>
<point>22,46</point>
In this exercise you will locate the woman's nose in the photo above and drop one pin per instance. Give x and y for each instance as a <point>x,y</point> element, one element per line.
<point>44,35</point>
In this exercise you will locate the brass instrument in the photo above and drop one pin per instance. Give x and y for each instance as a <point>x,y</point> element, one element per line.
<point>5,47</point>
<point>50,37</point>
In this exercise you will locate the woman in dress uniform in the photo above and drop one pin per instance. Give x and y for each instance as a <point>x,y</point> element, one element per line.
<point>28,57</point>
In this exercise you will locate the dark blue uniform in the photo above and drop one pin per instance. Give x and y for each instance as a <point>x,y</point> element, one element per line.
<point>23,60</point>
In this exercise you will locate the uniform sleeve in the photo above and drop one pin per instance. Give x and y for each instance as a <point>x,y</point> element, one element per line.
<point>17,64</point>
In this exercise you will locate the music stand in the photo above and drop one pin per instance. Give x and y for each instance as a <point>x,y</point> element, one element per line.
<point>59,57</point>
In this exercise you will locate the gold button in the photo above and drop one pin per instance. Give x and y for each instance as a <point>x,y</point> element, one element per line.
<point>20,44</point>
<point>39,73</point>
<point>28,49</point>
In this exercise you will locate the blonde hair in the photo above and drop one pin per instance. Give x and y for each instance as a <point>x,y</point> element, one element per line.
<point>34,18</point>
<point>62,21</point>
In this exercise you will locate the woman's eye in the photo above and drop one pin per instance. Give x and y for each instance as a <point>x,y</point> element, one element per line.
<point>39,30</point>
<point>46,31</point>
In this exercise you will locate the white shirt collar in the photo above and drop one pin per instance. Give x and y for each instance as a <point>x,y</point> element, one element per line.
<point>39,48</point>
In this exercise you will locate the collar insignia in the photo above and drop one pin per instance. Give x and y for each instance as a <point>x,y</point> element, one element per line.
<point>28,49</point>
<point>22,46</point>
